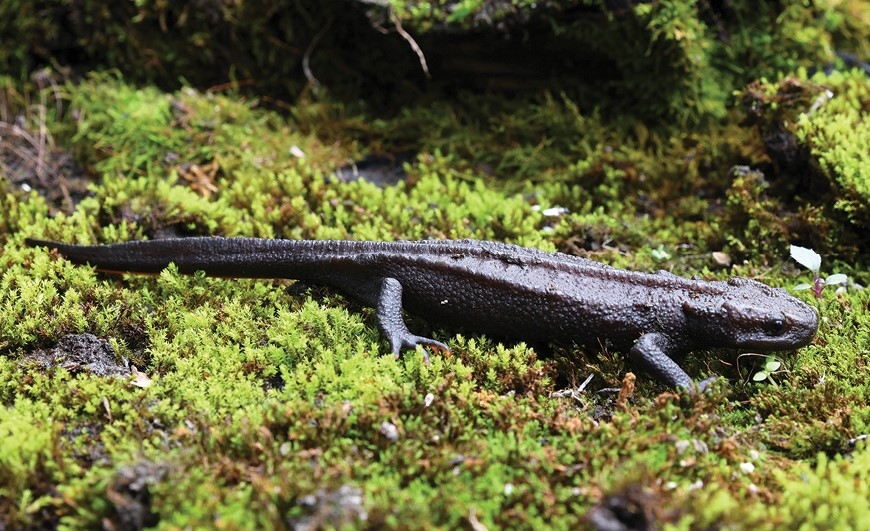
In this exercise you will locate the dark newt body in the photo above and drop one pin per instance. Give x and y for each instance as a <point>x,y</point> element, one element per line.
<point>499,289</point>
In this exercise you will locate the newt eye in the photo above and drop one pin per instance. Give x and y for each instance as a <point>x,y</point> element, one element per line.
<point>775,327</point>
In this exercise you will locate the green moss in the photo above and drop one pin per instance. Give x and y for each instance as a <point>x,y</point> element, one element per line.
<point>831,493</point>
<point>814,133</point>
<point>26,460</point>
<point>262,407</point>
<point>666,61</point>
<point>761,217</point>
<point>836,133</point>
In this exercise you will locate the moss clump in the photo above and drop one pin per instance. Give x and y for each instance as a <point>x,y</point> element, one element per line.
<point>836,133</point>
<point>268,408</point>
<point>256,406</point>
<point>664,61</point>
<point>814,135</point>
<point>843,479</point>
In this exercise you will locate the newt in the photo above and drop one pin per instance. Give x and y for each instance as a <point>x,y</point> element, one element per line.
<point>499,289</point>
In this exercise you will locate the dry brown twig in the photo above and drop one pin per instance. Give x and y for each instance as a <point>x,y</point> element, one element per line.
<point>411,42</point>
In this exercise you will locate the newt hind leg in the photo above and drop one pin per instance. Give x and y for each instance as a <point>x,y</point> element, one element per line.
<point>392,325</point>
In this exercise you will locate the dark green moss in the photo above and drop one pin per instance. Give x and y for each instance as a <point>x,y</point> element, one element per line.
<point>664,61</point>
<point>813,136</point>
<point>254,406</point>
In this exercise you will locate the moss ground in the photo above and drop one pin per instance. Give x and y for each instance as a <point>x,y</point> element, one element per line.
<point>263,404</point>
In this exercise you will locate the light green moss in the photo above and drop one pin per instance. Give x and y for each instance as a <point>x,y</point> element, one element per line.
<point>835,130</point>
<point>267,406</point>
<point>831,494</point>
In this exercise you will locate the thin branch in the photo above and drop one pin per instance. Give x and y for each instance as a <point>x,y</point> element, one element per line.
<point>414,46</point>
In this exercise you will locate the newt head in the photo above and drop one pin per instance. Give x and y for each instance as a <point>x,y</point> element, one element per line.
<point>753,315</point>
